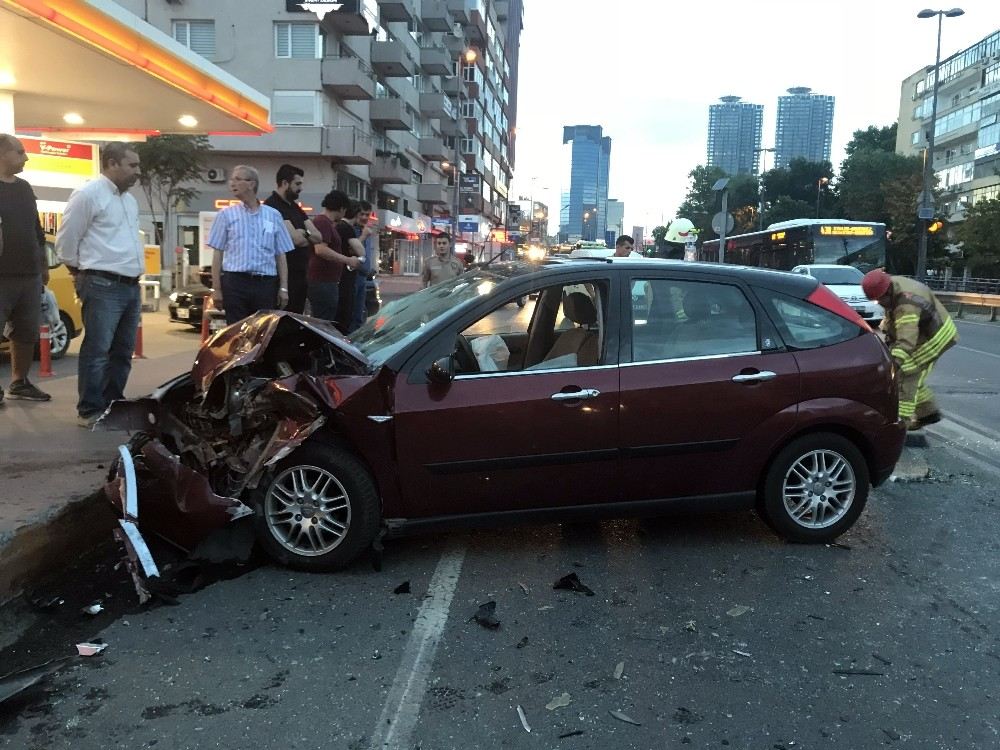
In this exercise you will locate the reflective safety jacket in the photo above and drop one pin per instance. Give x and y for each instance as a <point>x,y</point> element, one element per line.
<point>918,329</point>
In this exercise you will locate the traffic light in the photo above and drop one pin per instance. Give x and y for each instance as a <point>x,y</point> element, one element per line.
<point>935,226</point>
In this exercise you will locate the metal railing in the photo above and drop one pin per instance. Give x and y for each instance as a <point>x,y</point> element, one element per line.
<point>954,284</point>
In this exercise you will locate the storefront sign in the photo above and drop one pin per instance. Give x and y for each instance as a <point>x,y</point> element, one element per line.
<point>403,224</point>
<point>59,164</point>
<point>470,183</point>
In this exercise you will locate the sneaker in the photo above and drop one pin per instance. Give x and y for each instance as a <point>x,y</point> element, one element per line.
<point>88,422</point>
<point>23,389</point>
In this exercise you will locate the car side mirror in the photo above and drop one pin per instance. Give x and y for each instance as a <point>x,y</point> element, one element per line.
<point>442,370</point>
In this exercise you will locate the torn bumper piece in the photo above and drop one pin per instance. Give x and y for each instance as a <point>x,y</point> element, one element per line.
<point>178,505</point>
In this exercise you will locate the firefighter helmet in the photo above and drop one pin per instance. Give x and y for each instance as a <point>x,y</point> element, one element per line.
<point>876,283</point>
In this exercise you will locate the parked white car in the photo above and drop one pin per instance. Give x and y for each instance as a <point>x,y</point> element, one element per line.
<point>845,282</point>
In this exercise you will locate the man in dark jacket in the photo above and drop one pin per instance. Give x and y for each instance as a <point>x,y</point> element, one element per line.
<point>23,269</point>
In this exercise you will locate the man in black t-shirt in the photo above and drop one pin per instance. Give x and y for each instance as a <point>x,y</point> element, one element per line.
<point>290,181</point>
<point>23,269</point>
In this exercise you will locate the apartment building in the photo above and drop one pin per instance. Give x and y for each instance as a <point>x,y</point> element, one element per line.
<point>967,129</point>
<point>804,128</point>
<point>734,135</point>
<point>376,98</point>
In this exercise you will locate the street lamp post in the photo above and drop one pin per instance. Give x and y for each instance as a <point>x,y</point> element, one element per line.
<point>925,211</point>
<point>760,188</point>
<point>819,186</point>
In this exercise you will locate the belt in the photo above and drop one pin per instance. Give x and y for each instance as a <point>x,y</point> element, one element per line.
<point>131,280</point>
<point>248,275</point>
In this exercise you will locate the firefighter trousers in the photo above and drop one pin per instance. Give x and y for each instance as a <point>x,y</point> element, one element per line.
<point>916,400</point>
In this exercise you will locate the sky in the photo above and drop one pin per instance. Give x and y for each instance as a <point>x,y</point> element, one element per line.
<point>647,71</point>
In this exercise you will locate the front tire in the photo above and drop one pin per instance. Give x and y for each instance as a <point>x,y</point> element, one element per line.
<point>319,510</point>
<point>816,488</point>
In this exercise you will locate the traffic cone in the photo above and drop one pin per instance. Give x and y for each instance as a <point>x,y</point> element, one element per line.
<point>45,351</point>
<point>137,354</point>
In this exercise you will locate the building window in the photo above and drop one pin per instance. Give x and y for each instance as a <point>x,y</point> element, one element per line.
<point>197,36</point>
<point>295,108</point>
<point>298,41</point>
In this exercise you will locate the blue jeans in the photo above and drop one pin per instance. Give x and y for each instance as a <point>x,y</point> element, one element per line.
<point>323,299</point>
<point>111,313</point>
<point>360,295</point>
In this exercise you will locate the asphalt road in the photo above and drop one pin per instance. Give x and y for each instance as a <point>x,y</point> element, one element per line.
<point>966,380</point>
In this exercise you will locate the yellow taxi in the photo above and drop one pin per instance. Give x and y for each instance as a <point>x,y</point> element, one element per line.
<point>70,323</point>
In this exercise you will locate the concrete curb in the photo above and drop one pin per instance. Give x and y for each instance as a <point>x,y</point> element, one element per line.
<point>48,543</point>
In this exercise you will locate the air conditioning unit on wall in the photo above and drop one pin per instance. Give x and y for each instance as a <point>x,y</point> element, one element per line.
<point>215,175</point>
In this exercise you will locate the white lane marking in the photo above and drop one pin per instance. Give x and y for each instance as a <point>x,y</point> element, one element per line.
<point>402,707</point>
<point>977,351</point>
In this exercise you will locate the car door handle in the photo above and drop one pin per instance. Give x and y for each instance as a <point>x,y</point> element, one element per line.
<point>754,377</point>
<point>576,395</point>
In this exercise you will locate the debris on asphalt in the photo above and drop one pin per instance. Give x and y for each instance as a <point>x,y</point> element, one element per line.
<point>403,588</point>
<point>572,582</point>
<point>685,715</point>
<point>742,653</point>
<point>739,609</point>
<point>52,603</point>
<point>882,659</point>
<point>17,682</point>
<point>839,545</point>
<point>690,626</point>
<point>625,717</point>
<point>619,670</point>
<point>90,649</point>
<point>93,609</point>
<point>524,587</point>
<point>376,654</point>
<point>486,615</point>
<point>861,672</point>
<point>522,643</point>
<point>524,719</point>
<point>560,701</point>
<point>574,733</point>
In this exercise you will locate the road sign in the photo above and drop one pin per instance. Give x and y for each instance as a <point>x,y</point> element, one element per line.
<point>717,222</point>
<point>925,212</point>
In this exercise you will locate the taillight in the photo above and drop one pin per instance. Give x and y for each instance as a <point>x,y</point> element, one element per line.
<point>822,297</point>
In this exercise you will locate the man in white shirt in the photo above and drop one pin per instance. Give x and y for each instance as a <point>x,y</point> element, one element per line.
<point>625,247</point>
<point>99,242</point>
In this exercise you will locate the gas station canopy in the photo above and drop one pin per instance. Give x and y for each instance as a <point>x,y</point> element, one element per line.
<point>89,66</point>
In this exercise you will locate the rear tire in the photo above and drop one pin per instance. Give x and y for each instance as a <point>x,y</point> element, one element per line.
<point>318,511</point>
<point>816,488</point>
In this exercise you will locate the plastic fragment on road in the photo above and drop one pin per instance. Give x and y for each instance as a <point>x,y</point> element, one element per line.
<point>90,649</point>
<point>93,609</point>
<point>486,616</point>
<point>572,582</point>
<point>524,719</point>
<point>574,733</point>
<point>738,610</point>
<point>524,586</point>
<point>691,626</point>
<point>625,717</point>
<point>619,670</point>
<point>560,701</point>
<point>403,588</point>
<point>742,653</point>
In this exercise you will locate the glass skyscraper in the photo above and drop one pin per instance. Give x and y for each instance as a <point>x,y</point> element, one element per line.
<point>734,133</point>
<point>585,208</point>
<point>805,127</point>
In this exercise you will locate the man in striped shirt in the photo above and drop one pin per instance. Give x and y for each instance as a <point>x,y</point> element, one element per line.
<point>249,240</point>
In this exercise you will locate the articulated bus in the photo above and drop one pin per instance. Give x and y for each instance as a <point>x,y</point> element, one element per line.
<point>787,244</point>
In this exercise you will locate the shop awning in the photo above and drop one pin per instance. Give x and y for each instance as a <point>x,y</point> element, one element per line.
<point>116,72</point>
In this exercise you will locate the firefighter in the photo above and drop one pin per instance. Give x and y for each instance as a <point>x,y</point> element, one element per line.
<point>918,330</point>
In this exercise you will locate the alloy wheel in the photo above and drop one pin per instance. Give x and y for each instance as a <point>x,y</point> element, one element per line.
<point>307,510</point>
<point>818,489</point>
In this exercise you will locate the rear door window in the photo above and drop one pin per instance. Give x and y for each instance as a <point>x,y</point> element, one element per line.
<point>803,325</point>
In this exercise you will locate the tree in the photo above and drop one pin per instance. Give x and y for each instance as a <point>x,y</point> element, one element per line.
<point>873,138</point>
<point>169,164</point>
<point>798,181</point>
<point>980,237</point>
<point>901,196</point>
<point>863,177</point>
<point>700,203</point>
<point>786,208</point>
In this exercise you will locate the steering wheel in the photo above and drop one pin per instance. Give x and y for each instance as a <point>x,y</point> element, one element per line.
<point>465,358</point>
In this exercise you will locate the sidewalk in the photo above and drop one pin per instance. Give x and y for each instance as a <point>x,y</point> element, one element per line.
<point>50,468</point>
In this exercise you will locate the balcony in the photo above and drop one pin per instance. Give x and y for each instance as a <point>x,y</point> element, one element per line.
<point>389,114</point>
<point>388,170</point>
<point>433,148</point>
<point>474,163</point>
<point>435,61</point>
<point>458,11</point>
<point>348,78</point>
<point>349,20</point>
<point>288,139</point>
<point>391,60</point>
<point>346,144</point>
<point>454,86</point>
<point>436,105</point>
<point>435,15</point>
<point>396,11</point>
<point>430,192</point>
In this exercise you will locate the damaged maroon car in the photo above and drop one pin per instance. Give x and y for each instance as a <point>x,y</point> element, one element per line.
<point>626,387</point>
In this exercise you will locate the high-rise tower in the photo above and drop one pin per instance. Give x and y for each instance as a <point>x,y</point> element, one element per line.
<point>805,126</point>
<point>734,135</point>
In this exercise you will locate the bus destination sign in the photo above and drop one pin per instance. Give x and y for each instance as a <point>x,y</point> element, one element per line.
<point>847,231</point>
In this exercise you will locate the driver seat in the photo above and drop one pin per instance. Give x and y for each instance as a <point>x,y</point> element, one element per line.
<point>581,340</point>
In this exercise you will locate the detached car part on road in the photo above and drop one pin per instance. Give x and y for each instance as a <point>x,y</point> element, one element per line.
<point>628,387</point>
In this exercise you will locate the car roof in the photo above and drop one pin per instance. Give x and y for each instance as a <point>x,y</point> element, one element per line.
<point>822,265</point>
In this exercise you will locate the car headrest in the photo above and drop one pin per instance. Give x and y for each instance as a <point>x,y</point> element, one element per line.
<point>579,308</point>
<point>696,307</point>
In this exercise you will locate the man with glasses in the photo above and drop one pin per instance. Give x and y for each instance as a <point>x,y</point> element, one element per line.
<point>249,243</point>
